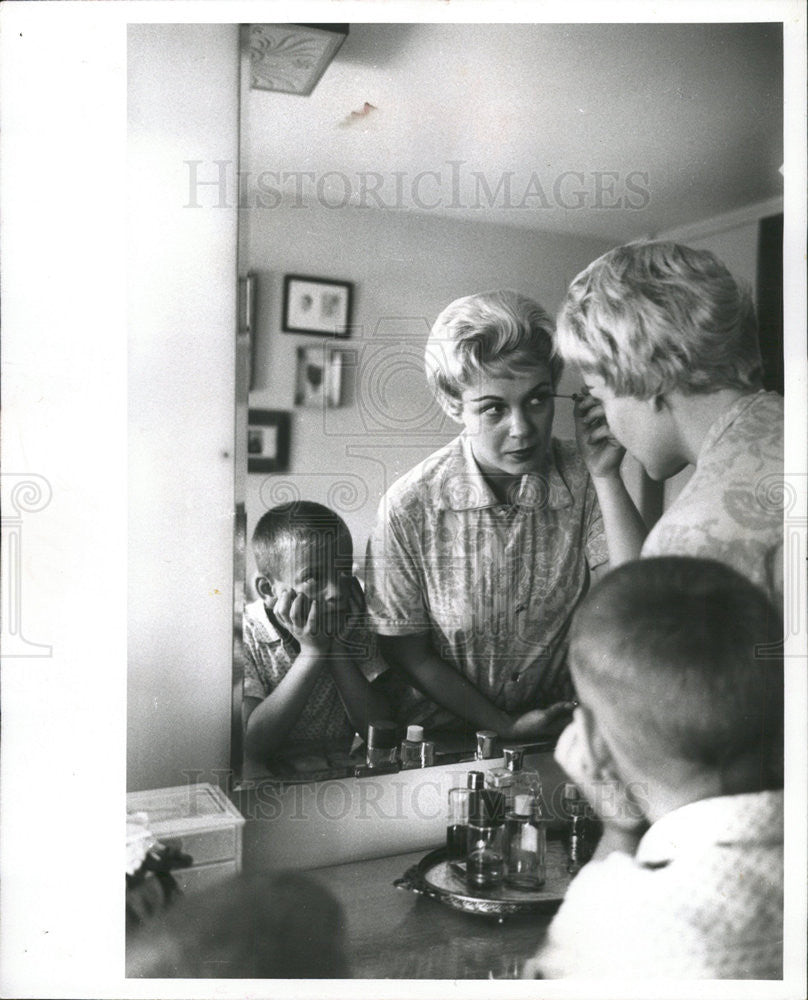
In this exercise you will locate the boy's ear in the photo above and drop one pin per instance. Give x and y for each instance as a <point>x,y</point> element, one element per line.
<point>263,586</point>
<point>598,747</point>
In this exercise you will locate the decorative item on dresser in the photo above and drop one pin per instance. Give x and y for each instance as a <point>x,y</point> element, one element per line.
<point>198,820</point>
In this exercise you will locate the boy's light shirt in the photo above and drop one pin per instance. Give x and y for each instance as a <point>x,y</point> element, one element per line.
<point>731,509</point>
<point>268,657</point>
<point>702,898</point>
<point>495,584</point>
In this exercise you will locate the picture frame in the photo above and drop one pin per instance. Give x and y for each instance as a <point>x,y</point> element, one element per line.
<point>268,438</point>
<point>318,306</point>
<point>318,377</point>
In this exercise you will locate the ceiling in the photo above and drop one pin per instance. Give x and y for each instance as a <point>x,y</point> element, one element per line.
<point>607,130</point>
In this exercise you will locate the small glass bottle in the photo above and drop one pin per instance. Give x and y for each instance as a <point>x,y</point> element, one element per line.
<point>411,747</point>
<point>526,844</point>
<point>485,856</point>
<point>457,828</point>
<point>512,779</point>
<point>486,741</point>
<point>427,753</point>
<point>581,832</point>
<point>382,743</point>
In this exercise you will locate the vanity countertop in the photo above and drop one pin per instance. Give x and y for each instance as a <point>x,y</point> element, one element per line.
<point>391,933</point>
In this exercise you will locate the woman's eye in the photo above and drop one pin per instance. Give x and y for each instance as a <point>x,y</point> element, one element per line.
<point>540,401</point>
<point>493,411</point>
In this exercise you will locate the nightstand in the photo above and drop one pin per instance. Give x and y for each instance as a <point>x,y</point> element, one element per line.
<point>201,821</point>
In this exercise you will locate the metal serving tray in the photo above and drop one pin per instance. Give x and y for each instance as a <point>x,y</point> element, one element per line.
<point>438,878</point>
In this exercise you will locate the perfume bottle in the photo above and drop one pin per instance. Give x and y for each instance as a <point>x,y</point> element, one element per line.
<point>485,855</point>
<point>411,747</point>
<point>511,779</point>
<point>382,746</point>
<point>582,831</point>
<point>526,844</point>
<point>457,827</point>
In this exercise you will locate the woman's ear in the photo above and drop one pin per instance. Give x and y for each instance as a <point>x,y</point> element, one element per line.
<point>263,587</point>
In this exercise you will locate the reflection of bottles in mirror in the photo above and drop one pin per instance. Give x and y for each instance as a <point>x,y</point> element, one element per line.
<point>512,779</point>
<point>411,747</point>
<point>485,857</point>
<point>582,831</point>
<point>382,744</point>
<point>526,840</point>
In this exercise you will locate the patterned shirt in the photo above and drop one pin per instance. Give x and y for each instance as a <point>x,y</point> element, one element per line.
<point>495,584</point>
<point>731,509</point>
<point>701,899</point>
<point>269,652</point>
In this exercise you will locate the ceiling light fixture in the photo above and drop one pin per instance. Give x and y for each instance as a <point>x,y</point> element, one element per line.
<point>291,58</point>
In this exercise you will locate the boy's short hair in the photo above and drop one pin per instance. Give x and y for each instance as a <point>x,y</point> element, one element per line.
<point>492,334</point>
<point>651,317</point>
<point>302,522</point>
<point>689,653</point>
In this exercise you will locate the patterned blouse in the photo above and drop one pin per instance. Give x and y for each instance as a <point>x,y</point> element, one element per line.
<point>494,583</point>
<point>731,509</point>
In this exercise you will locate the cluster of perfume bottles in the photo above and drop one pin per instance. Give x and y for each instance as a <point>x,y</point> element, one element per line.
<point>385,753</point>
<point>497,825</point>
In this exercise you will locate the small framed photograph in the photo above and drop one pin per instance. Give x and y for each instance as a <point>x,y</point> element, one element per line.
<point>268,441</point>
<point>318,380</point>
<point>316,305</point>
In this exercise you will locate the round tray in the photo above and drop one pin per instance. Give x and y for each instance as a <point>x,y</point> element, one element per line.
<point>438,878</point>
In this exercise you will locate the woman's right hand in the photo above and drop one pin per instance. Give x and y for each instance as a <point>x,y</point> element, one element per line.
<point>308,622</point>
<point>601,452</point>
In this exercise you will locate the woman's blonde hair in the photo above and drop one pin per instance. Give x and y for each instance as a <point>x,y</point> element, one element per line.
<point>651,317</point>
<point>492,334</point>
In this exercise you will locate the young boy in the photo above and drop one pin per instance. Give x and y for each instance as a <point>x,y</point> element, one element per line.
<point>680,727</point>
<point>308,667</point>
<point>667,344</point>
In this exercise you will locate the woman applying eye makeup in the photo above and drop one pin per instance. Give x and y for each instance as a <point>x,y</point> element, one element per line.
<point>480,553</point>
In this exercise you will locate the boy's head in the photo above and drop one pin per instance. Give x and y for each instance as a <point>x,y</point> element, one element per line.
<point>675,661</point>
<point>650,318</point>
<point>497,334</point>
<point>305,547</point>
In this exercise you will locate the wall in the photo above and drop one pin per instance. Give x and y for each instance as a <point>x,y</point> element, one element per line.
<point>406,268</point>
<point>183,104</point>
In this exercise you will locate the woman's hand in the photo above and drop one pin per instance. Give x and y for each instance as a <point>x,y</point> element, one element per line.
<point>601,452</point>
<point>539,722</point>
<point>309,622</point>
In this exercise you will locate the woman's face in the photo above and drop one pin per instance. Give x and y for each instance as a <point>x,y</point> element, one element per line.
<point>509,420</point>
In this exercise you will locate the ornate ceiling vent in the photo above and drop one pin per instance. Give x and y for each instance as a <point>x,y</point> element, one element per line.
<point>291,58</point>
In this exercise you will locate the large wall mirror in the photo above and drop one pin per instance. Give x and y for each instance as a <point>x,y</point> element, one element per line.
<point>432,161</point>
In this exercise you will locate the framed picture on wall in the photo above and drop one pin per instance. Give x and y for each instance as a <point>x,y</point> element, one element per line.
<point>268,440</point>
<point>316,305</point>
<point>318,377</point>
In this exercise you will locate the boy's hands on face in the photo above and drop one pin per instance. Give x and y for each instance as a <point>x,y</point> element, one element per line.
<point>352,607</point>
<point>601,452</point>
<point>612,801</point>
<point>310,622</point>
